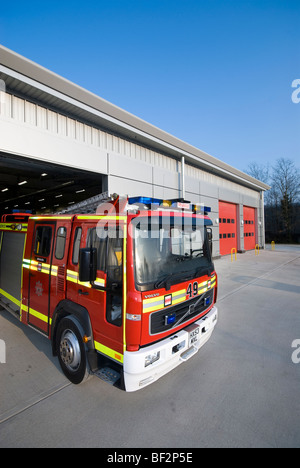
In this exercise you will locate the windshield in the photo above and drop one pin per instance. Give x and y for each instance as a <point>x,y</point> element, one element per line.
<point>169,250</point>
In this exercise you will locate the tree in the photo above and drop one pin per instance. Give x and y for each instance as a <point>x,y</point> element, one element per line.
<point>282,201</point>
<point>285,180</point>
<point>259,171</point>
<point>285,183</point>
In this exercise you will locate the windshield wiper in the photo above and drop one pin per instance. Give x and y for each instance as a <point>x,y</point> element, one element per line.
<point>167,280</point>
<point>183,276</point>
<point>203,270</point>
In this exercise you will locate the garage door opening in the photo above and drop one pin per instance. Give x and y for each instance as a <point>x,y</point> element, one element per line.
<point>228,227</point>
<point>249,228</point>
<point>38,187</point>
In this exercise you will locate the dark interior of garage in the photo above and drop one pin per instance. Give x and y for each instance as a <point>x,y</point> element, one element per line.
<point>29,185</point>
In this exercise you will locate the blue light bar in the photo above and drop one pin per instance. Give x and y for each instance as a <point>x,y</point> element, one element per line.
<point>15,211</point>
<point>145,200</point>
<point>176,203</point>
<point>202,208</point>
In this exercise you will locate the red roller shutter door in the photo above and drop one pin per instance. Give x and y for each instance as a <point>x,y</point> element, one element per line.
<point>227,227</point>
<point>249,228</point>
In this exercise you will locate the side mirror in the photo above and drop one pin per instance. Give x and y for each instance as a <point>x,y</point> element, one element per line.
<point>87,265</point>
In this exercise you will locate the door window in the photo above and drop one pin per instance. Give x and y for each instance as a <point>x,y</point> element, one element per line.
<point>77,240</point>
<point>60,243</point>
<point>42,244</point>
<point>109,245</point>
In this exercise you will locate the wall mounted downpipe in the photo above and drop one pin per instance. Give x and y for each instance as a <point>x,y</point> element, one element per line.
<point>183,178</point>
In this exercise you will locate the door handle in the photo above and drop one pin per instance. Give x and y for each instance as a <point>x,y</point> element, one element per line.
<point>83,293</point>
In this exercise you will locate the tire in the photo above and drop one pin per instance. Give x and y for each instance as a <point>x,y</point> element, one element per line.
<point>71,351</point>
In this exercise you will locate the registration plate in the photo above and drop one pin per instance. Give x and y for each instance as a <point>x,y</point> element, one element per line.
<point>194,336</point>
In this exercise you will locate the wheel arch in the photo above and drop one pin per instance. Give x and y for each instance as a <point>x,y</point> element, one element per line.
<point>70,309</point>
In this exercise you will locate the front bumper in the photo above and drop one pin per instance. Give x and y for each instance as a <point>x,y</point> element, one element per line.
<point>173,350</point>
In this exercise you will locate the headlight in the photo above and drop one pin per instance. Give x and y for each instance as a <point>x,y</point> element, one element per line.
<point>151,358</point>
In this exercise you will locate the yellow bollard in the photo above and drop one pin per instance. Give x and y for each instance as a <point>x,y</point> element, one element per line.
<point>257,249</point>
<point>273,245</point>
<point>233,250</point>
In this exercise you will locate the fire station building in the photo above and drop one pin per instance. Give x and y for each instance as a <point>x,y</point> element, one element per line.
<point>61,144</point>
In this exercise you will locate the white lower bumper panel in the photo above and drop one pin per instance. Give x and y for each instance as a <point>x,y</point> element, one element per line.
<point>167,354</point>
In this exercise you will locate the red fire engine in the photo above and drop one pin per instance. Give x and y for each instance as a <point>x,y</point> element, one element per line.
<point>126,293</point>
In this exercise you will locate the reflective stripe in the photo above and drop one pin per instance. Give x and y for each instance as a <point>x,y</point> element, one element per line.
<point>154,306</point>
<point>73,276</point>
<point>178,297</point>
<point>40,316</point>
<point>13,227</point>
<point>45,268</point>
<point>36,314</point>
<point>26,263</point>
<point>10,298</point>
<point>100,282</point>
<point>109,352</point>
<point>33,312</point>
<point>49,217</point>
<point>109,218</point>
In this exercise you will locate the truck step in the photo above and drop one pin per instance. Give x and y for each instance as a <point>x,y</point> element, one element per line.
<point>5,306</point>
<point>108,375</point>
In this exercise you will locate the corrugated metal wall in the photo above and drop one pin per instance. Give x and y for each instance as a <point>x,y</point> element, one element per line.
<point>130,168</point>
<point>45,119</point>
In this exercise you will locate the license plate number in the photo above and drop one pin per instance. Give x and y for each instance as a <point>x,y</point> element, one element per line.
<point>194,336</point>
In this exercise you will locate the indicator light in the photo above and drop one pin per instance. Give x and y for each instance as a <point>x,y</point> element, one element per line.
<point>207,301</point>
<point>170,319</point>
<point>134,317</point>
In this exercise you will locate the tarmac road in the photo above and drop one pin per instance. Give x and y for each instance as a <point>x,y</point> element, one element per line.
<point>240,390</point>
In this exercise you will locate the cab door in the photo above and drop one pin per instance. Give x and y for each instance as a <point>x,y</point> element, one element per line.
<point>104,298</point>
<point>40,276</point>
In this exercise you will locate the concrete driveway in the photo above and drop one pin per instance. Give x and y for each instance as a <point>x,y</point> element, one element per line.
<point>240,390</point>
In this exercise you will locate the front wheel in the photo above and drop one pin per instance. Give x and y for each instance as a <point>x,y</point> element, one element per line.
<point>71,351</point>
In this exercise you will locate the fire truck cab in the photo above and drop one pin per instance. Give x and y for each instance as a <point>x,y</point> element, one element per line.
<point>127,293</point>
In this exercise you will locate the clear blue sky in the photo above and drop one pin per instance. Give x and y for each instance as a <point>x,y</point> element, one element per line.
<point>216,74</point>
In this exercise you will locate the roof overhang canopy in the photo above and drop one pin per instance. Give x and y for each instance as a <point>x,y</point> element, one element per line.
<point>39,85</point>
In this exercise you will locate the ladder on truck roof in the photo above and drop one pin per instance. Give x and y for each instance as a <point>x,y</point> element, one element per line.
<point>88,206</point>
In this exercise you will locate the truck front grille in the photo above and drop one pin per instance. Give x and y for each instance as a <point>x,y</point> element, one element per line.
<point>188,310</point>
